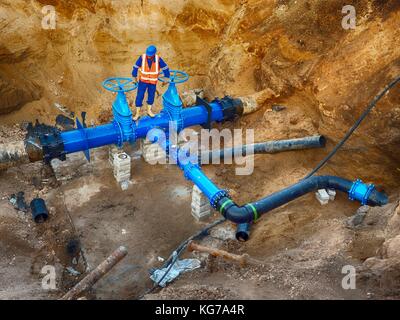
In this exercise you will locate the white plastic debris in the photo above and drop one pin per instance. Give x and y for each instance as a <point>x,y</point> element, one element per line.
<point>73,272</point>
<point>180,266</point>
<point>13,201</point>
<point>322,196</point>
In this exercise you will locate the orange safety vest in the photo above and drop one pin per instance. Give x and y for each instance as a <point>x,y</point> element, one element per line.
<point>147,74</point>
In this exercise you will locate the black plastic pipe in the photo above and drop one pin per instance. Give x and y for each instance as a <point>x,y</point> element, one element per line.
<point>243,232</point>
<point>265,147</point>
<point>39,210</point>
<point>251,211</point>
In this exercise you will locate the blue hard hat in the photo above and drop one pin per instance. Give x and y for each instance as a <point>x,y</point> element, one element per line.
<point>151,50</point>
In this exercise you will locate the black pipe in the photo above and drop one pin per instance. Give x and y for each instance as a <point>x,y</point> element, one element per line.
<point>243,232</point>
<point>231,108</point>
<point>265,147</point>
<point>251,211</point>
<point>39,210</point>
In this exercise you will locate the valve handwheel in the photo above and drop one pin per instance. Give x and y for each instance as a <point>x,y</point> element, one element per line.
<point>120,84</point>
<point>176,77</point>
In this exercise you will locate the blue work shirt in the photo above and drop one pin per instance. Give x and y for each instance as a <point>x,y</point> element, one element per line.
<point>163,66</point>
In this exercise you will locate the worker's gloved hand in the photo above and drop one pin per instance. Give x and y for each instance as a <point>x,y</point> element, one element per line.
<point>135,79</point>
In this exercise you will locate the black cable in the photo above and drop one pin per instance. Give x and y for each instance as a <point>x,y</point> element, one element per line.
<point>354,127</point>
<point>173,258</point>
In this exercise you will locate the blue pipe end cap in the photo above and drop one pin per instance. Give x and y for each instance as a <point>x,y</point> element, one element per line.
<point>360,191</point>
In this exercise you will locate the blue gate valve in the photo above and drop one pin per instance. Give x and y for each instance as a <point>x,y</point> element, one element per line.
<point>172,104</point>
<point>123,121</point>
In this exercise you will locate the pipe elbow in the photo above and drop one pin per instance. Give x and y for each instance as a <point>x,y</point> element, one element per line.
<point>232,212</point>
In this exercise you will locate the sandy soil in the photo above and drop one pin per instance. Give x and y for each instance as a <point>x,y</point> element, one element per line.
<point>300,248</point>
<point>295,53</point>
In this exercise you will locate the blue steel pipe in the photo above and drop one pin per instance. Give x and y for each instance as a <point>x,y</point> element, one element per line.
<point>123,129</point>
<point>190,168</point>
<point>195,174</point>
<point>114,133</point>
<point>94,137</point>
<point>190,117</point>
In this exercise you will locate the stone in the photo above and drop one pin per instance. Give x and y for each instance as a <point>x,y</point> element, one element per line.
<point>189,97</point>
<point>224,232</point>
<point>391,248</point>
<point>357,219</point>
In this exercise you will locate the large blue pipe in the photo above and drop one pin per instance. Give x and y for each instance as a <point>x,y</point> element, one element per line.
<point>192,116</point>
<point>89,138</point>
<point>195,174</point>
<point>118,132</point>
<point>123,129</point>
<point>187,164</point>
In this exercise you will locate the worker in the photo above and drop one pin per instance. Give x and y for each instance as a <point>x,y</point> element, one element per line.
<point>150,65</point>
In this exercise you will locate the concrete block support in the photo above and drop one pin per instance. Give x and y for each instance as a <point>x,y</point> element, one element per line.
<point>113,151</point>
<point>201,208</point>
<point>322,196</point>
<point>121,163</point>
<point>75,166</point>
<point>152,152</point>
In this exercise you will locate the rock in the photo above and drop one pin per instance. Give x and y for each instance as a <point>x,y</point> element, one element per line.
<point>358,218</point>
<point>224,232</point>
<point>278,108</point>
<point>363,209</point>
<point>382,273</point>
<point>391,248</point>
